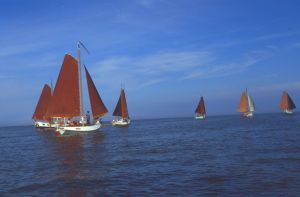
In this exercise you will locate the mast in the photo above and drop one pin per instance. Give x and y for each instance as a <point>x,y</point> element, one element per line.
<point>80,84</point>
<point>51,86</point>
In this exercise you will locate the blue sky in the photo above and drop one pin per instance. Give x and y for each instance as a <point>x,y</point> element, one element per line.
<point>167,53</point>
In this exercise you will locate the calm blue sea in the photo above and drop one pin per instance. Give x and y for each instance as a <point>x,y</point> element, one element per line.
<point>225,155</point>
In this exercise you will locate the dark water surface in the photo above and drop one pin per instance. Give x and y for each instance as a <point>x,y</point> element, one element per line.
<point>227,156</point>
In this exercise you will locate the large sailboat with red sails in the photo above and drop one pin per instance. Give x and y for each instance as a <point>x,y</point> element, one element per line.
<point>66,106</point>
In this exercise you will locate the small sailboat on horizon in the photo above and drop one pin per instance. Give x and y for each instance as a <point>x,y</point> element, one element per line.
<point>66,106</point>
<point>121,111</point>
<point>40,121</point>
<point>246,106</point>
<point>287,105</point>
<point>200,112</point>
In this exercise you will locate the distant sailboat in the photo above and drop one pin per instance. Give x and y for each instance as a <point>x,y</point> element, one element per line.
<point>286,104</point>
<point>200,112</point>
<point>121,111</point>
<point>40,121</point>
<point>246,105</point>
<point>67,102</point>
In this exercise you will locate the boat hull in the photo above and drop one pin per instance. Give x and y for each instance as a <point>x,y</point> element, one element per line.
<point>121,122</point>
<point>42,124</point>
<point>77,129</point>
<point>200,117</point>
<point>288,112</point>
<point>248,114</point>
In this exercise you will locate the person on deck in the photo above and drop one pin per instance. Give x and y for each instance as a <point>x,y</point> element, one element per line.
<point>88,117</point>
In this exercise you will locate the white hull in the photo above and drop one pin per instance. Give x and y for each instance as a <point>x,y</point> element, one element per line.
<point>286,111</point>
<point>121,122</point>
<point>87,128</point>
<point>248,114</point>
<point>44,124</point>
<point>200,117</point>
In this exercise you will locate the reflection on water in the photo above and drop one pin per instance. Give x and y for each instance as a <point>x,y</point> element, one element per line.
<point>76,167</point>
<point>70,149</point>
<point>227,156</point>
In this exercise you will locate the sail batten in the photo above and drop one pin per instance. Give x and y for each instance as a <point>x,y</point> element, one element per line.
<point>65,101</point>
<point>286,102</point>
<point>201,107</point>
<point>121,107</point>
<point>97,105</point>
<point>43,104</point>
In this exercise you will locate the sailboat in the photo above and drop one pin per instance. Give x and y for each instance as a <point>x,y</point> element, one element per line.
<point>200,110</point>
<point>286,104</point>
<point>40,121</point>
<point>66,106</point>
<point>246,105</point>
<point>121,111</point>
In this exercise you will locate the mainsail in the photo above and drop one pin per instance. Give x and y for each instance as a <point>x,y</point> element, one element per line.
<point>98,107</point>
<point>65,101</point>
<point>201,107</point>
<point>286,102</point>
<point>121,108</point>
<point>43,104</point>
<point>244,104</point>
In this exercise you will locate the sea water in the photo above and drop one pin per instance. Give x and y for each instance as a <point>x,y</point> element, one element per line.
<point>222,155</point>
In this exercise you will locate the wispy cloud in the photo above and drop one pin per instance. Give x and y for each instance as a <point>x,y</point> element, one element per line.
<point>256,39</point>
<point>277,35</point>
<point>151,82</point>
<point>295,45</point>
<point>151,69</point>
<point>16,49</point>
<point>226,69</point>
<point>165,65</point>
<point>3,78</point>
<point>279,87</point>
<point>145,3</point>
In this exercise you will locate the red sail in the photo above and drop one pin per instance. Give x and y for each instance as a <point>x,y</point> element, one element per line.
<point>286,102</point>
<point>121,108</point>
<point>244,105</point>
<point>65,100</point>
<point>201,107</point>
<point>43,103</point>
<point>98,107</point>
